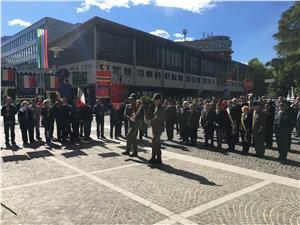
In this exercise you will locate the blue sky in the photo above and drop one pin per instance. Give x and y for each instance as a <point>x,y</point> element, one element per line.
<point>249,24</point>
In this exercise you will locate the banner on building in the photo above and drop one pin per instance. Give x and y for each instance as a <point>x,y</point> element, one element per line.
<point>103,84</point>
<point>8,77</point>
<point>118,93</point>
<point>42,48</point>
<point>51,82</point>
<point>79,78</point>
<point>26,85</point>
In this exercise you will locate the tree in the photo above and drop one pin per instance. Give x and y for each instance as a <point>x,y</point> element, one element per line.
<point>287,64</point>
<point>260,72</point>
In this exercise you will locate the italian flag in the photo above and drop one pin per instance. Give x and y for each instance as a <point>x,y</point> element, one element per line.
<point>28,81</point>
<point>8,75</point>
<point>42,47</point>
<point>80,98</point>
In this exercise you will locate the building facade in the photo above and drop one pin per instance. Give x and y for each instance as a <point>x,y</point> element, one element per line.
<point>142,61</point>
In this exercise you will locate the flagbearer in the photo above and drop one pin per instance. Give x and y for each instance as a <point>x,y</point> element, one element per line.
<point>158,126</point>
<point>8,112</point>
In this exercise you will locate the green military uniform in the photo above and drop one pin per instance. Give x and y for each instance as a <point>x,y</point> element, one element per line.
<point>258,130</point>
<point>283,128</point>
<point>130,110</point>
<point>158,126</point>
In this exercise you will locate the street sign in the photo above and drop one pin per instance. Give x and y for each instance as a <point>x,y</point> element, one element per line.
<point>268,81</point>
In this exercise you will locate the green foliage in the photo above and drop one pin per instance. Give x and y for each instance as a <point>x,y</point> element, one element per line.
<point>261,72</point>
<point>287,65</point>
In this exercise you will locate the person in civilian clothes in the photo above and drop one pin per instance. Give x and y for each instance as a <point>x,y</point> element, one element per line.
<point>158,126</point>
<point>99,112</point>
<point>270,114</point>
<point>194,117</point>
<point>207,122</point>
<point>183,122</point>
<point>236,112</point>
<point>36,109</point>
<point>220,123</point>
<point>8,111</point>
<point>258,129</point>
<point>75,121</point>
<point>283,128</point>
<point>57,111</point>
<point>123,120</point>
<point>113,116</point>
<point>246,128</point>
<point>87,118</point>
<point>25,117</point>
<point>66,112</point>
<point>170,120</point>
<point>47,120</point>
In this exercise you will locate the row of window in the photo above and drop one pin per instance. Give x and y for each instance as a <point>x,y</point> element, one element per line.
<point>27,66</point>
<point>31,50</point>
<point>20,41</point>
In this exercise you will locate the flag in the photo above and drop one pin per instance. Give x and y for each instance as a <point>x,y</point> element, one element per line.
<point>8,75</point>
<point>42,47</point>
<point>80,98</point>
<point>54,82</point>
<point>26,81</point>
<point>103,83</point>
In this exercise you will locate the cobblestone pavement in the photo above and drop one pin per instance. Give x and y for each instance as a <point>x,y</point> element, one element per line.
<point>93,183</point>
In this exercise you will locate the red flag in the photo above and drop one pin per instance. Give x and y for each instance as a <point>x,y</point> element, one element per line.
<point>80,98</point>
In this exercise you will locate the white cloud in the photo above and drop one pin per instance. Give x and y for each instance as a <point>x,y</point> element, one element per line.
<point>196,6</point>
<point>187,39</point>
<point>18,22</point>
<point>178,35</point>
<point>161,33</point>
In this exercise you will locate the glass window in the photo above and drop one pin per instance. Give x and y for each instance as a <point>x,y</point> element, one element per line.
<point>204,81</point>
<point>127,71</point>
<point>174,77</point>
<point>208,81</point>
<point>188,78</point>
<point>193,79</point>
<point>180,77</point>
<point>198,80</point>
<point>167,76</point>
<point>149,74</point>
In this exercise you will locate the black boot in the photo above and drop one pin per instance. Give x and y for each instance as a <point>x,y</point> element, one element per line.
<point>152,160</point>
<point>158,160</point>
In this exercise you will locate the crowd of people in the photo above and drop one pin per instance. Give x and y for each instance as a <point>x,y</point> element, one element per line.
<point>251,121</point>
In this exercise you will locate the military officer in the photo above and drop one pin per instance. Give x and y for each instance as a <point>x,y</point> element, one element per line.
<point>158,126</point>
<point>132,114</point>
<point>258,129</point>
<point>8,111</point>
<point>283,128</point>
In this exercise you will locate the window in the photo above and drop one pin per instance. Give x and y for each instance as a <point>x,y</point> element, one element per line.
<point>157,75</point>
<point>188,78</point>
<point>204,81</point>
<point>180,78</point>
<point>193,79</point>
<point>198,80</point>
<point>149,74</point>
<point>208,81</point>
<point>167,76</point>
<point>213,81</point>
<point>117,70</point>
<point>140,73</point>
<point>174,77</point>
<point>127,71</point>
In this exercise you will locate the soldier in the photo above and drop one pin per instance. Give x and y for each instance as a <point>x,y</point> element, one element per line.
<point>132,114</point>
<point>246,128</point>
<point>25,117</point>
<point>170,120</point>
<point>158,126</point>
<point>75,121</point>
<point>47,120</point>
<point>258,129</point>
<point>99,112</point>
<point>194,117</point>
<point>87,118</point>
<point>66,113</point>
<point>8,112</point>
<point>36,109</point>
<point>283,128</point>
<point>114,120</point>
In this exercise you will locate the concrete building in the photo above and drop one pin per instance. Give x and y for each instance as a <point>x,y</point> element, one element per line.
<point>143,61</point>
<point>215,45</point>
<point>20,51</point>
